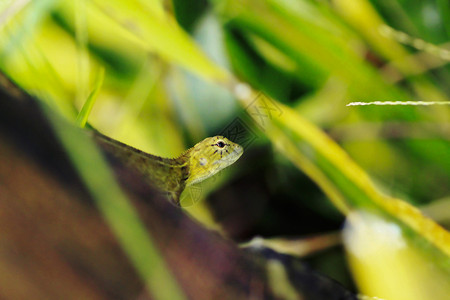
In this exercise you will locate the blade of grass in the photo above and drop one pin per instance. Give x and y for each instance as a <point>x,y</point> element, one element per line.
<point>345,183</point>
<point>163,36</point>
<point>363,16</point>
<point>319,50</point>
<point>89,104</point>
<point>9,10</point>
<point>374,244</point>
<point>118,212</point>
<point>30,19</point>
<point>81,39</point>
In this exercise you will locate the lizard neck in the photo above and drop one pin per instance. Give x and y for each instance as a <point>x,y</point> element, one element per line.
<point>166,174</point>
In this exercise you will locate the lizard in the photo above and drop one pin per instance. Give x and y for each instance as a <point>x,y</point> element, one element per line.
<point>173,175</point>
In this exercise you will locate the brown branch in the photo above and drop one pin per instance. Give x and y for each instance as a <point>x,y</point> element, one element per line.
<point>54,243</point>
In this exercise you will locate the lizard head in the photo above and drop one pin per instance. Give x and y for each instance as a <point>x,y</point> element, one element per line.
<point>210,156</point>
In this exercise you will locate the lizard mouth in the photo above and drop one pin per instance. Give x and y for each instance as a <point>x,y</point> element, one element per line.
<point>230,158</point>
<point>237,152</point>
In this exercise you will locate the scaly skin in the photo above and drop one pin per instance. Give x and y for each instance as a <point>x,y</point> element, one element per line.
<point>173,175</point>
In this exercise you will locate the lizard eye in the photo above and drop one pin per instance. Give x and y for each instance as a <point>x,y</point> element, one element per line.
<point>220,144</point>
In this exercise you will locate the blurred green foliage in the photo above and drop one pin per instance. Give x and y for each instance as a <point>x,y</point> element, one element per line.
<point>165,88</point>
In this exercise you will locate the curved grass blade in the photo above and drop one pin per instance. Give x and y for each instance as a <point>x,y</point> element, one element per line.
<point>344,182</point>
<point>374,245</point>
<point>89,104</point>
